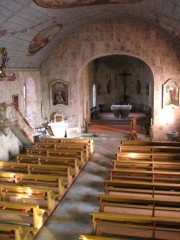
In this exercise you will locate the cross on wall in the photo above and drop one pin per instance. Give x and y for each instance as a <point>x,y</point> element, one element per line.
<point>124,75</point>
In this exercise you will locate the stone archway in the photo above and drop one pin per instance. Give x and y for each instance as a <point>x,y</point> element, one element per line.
<point>124,37</point>
<point>122,79</point>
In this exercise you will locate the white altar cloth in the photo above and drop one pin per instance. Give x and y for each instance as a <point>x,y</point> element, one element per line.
<point>58,128</point>
<point>121,111</point>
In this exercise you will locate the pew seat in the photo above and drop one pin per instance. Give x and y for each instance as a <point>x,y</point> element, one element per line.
<point>21,213</point>
<point>57,153</point>
<point>147,175</point>
<point>47,182</point>
<point>135,226</point>
<point>63,168</point>
<point>14,232</point>
<point>63,145</point>
<point>72,140</point>
<point>149,143</point>
<point>136,205</point>
<point>94,237</point>
<point>148,164</point>
<point>46,199</point>
<point>148,149</point>
<point>142,188</point>
<point>158,156</point>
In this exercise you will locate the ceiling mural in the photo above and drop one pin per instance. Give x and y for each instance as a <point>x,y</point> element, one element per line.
<point>43,38</point>
<point>12,33</point>
<point>77,3</point>
<point>30,29</point>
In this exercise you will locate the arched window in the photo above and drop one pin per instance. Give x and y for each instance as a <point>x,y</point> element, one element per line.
<point>94,95</point>
<point>24,96</point>
<point>29,92</point>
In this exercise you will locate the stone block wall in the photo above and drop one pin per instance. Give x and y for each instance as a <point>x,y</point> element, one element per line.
<point>111,37</point>
<point>10,144</point>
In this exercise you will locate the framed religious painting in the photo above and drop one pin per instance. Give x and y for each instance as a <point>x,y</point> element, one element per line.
<point>58,92</point>
<point>170,93</point>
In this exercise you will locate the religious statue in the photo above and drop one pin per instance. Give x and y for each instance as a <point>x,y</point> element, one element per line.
<point>5,59</point>
<point>108,86</point>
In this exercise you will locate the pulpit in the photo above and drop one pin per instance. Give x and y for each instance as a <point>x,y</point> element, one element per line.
<point>121,111</point>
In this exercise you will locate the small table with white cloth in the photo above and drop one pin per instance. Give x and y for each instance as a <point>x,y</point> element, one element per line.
<point>121,111</point>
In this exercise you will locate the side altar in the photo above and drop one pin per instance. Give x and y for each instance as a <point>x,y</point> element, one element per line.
<point>121,111</point>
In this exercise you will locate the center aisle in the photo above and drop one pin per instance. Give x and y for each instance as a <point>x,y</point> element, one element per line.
<point>71,217</point>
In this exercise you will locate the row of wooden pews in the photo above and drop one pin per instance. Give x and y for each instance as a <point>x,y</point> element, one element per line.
<point>32,186</point>
<point>142,194</point>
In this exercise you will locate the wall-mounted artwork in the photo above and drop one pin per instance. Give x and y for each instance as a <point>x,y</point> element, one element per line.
<point>78,3</point>
<point>170,93</point>
<point>15,100</point>
<point>43,38</point>
<point>58,92</point>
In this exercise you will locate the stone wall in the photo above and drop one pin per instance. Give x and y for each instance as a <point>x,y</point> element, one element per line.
<point>108,38</point>
<point>10,145</point>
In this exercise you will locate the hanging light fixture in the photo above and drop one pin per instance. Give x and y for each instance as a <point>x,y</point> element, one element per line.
<point>3,67</point>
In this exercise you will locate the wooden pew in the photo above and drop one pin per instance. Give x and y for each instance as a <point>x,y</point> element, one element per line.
<point>75,146</point>
<point>67,167</point>
<point>27,215</point>
<point>70,153</point>
<point>149,143</point>
<point>61,145</point>
<point>72,140</point>
<point>135,226</point>
<point>14,232</point>
<point>94,237</point>
<point>136,205</point>
<point>54,152</point>
<point>148,149</point>
<point>145,156</point>
<point>145,175</point>
<point>142,188</point>
<point>150,165</point>
<point>21,194</point>
<point>47,182</point>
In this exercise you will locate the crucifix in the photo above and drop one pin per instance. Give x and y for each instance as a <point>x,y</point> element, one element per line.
<point>124,75</point>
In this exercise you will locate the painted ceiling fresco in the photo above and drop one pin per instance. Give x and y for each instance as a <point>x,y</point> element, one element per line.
<point>77,3</point>
<point>43,38</point>
<point>29,30</point>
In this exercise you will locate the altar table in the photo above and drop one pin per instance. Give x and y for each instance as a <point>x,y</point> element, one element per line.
<point>121,111</point>
<point>58,128</point>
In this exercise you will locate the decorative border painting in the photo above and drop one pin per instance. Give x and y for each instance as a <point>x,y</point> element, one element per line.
<point>43,38</point>
<point>59,4</point>
<point>170,96</point>
<point>58,93</point>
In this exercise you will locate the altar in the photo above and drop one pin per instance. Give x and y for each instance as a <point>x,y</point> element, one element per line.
<point>58,129</point>
<point>121,111</point>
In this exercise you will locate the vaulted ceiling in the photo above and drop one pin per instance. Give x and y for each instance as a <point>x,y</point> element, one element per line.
<point>30,29</point>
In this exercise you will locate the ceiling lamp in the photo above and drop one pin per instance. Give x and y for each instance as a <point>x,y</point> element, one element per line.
<point>3,67</point>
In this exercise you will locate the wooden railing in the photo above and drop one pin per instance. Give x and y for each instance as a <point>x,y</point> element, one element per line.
<point>11,117</point>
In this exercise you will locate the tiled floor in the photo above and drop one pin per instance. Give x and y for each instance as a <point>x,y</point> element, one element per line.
<point>71,218</point>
